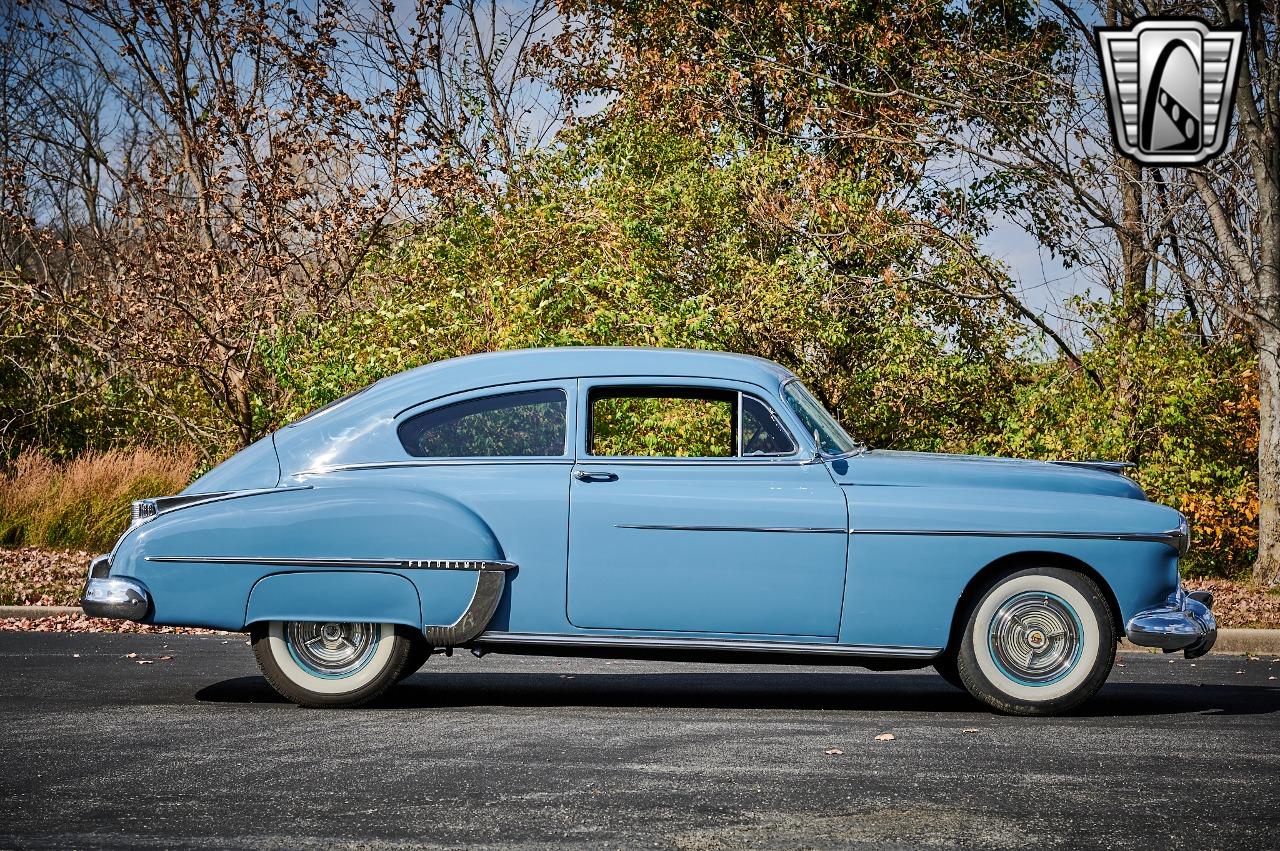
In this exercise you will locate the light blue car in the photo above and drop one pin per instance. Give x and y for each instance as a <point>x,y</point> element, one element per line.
<point>653,504</point>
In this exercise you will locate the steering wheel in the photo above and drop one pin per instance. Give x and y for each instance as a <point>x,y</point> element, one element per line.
<point>760,442</point>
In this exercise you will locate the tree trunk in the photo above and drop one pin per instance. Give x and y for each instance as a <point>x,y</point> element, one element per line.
<point>1266,569</point>
<point>1132,297</point>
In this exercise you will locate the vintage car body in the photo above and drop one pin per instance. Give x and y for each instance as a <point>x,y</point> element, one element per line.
<point>863,556</point>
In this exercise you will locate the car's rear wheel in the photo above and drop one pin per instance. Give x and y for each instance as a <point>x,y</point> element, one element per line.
<point>330,664</point>
<point>419,652</point>
<point>1037,642</point>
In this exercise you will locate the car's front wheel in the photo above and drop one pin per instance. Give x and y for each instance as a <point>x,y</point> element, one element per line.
<point>330,664</point>
<point>1037,642</point>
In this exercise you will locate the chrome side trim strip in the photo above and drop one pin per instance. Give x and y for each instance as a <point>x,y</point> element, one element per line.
<point>431,462</point>
<point>675,528</point>
<point>1106,466</point>
<point>403,563</point>
<point>1172,538</point>
<point>165,504</point>
<point>145,510</point>
<point>707,644</point>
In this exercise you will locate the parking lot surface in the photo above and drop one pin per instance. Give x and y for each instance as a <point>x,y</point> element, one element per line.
<point>184,744</point>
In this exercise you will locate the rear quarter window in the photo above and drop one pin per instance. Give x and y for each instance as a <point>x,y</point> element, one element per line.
<point>528,424</point>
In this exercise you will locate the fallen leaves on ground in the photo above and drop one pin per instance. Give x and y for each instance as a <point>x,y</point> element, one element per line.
<point>1240,604</point>
<point>31,576</point>
<point>81,623</point>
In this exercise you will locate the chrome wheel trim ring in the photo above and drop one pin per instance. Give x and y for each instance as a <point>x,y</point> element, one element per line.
<point>331,650</point>
<point>377,665</point>
<point>1035,638</point>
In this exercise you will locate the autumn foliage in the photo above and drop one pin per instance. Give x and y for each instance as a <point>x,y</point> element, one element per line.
<point>217,215</point>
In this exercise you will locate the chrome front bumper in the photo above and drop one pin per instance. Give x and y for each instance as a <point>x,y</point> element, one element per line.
<point>113,597</point>
<point>1185,622</point>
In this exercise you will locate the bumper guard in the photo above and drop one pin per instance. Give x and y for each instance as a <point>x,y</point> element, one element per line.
<point>113,596</point>
<point>1185,622</point>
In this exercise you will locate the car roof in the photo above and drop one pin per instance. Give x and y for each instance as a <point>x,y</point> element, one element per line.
<point>489,369</point>
<point>590,361</point>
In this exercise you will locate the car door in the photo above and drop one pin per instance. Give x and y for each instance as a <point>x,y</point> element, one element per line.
<point>683,520</point>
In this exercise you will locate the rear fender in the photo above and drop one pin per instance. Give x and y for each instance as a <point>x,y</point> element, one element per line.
<point>202,562</point>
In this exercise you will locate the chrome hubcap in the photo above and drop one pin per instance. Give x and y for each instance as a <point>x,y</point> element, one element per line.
<point>331,649</point>
<point>1035,637</point>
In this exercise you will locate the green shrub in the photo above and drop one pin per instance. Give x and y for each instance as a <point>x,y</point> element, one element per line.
<point>1185,410</point>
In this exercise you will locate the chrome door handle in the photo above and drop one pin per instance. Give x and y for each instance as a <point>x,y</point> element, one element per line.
<point>584,476</point>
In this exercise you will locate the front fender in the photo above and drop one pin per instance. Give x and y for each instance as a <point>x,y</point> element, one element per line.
<point>913,551</point>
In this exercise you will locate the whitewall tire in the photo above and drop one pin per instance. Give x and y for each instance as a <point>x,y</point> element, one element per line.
<point>330,664</point>
<point>1037,642</point>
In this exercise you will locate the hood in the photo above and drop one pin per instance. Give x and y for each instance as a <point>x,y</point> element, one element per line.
<point>887,467</point>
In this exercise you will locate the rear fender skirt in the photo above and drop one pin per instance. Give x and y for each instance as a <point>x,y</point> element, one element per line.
<point>351,596</point>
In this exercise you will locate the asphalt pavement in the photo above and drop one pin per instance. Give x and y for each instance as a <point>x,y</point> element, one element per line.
<point>195,750</point>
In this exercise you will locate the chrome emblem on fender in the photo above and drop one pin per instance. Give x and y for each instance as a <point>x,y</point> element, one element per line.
<point>1170,88</point>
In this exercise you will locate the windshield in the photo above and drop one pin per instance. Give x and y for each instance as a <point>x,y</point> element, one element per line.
<point>827,433</point>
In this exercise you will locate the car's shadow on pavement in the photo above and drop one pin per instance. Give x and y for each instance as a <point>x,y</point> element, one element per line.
<point>795,691</point>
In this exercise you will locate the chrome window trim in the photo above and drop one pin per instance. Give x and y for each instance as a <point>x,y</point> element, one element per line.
<point>675,460</point>
<point>765,460</point>
<point>401,421</point>
<point>858,447</point>
<point>584,439</point>
<point>674,643</point>
<point>795,444</point>
<point>737,428</point>
<point>674,376</point>
<point>1174,538</point>
<point>402,563</point>
<point>478,460</point>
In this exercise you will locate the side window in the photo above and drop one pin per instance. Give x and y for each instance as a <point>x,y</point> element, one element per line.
<point>662,422</point>
<point>762,432</point>
<point>513,424</point>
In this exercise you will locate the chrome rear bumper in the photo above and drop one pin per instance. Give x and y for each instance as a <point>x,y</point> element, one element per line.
<point>106,596</point>
<point>1185,622</point>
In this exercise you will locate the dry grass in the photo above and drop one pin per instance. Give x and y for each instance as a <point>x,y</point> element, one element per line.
<point>84,503</point>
